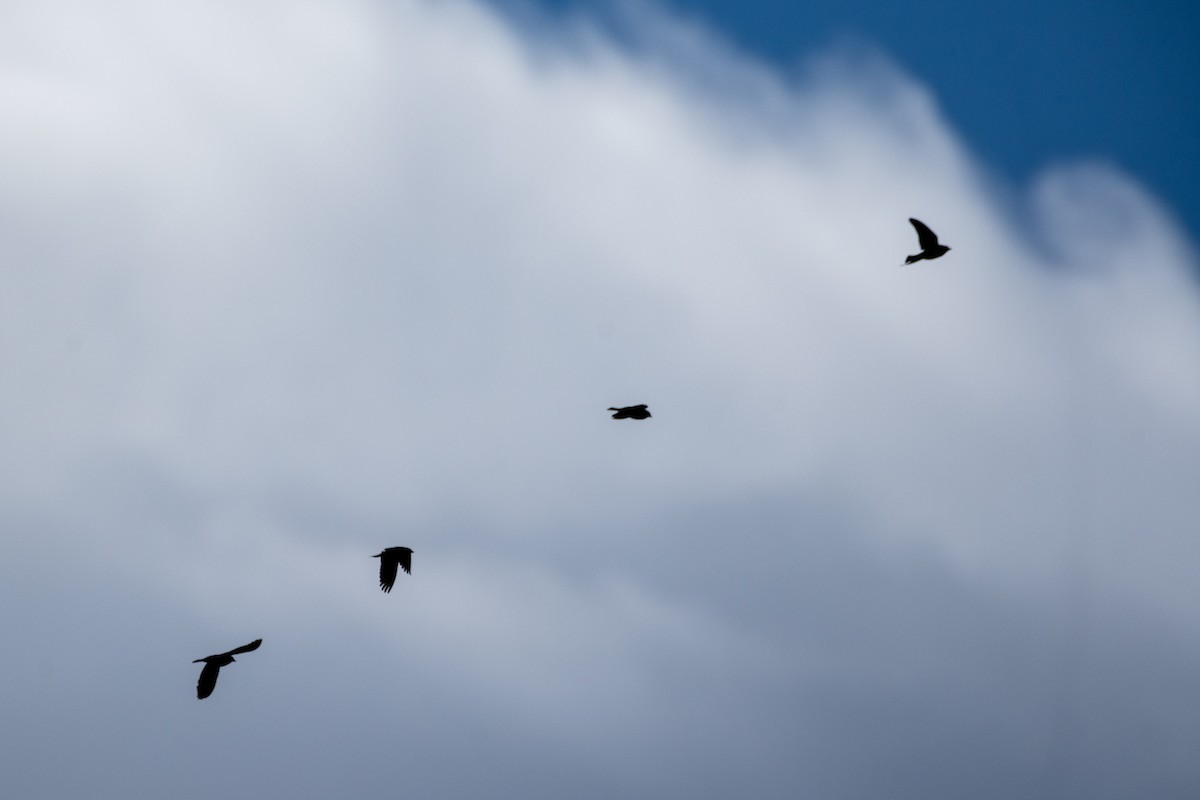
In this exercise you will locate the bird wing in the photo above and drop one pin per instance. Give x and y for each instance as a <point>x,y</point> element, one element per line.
<point>387,572</point>
<point>927,238</point>
<point>246,648</point>
<point>405,558</point>
<point>642,406</point>
<point>208,680</point>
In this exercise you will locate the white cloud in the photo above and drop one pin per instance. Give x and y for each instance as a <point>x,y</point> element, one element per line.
<point>289,283</point>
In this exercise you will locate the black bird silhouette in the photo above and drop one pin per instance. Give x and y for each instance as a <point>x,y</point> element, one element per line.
<point>631,412</point>
<point>213,664</point>
<point>389,559</point>
<point>928,241</point>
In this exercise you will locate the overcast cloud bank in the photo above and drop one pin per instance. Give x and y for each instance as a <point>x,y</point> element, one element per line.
<point>283,285</point>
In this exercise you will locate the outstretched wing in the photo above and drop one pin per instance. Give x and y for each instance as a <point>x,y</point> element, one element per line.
<point>404,555</point>
<point>387,572</point>
<point>927,238</point>
<point>208,680</point>
<point>246,648</point>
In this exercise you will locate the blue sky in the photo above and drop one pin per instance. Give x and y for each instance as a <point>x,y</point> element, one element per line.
<point>286,283</point>
<point>1027,83</point>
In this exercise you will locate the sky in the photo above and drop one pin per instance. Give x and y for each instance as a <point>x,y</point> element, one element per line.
<point>1029,82</point>
<point>286,283</point>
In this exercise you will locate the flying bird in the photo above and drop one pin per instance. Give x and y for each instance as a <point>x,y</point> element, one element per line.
<point>928,241</point>
<point>389,559</point>
<point>631,412</point>
<point>213,664</point>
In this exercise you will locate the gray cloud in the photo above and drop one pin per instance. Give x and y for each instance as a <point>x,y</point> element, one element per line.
<point>286,285</point>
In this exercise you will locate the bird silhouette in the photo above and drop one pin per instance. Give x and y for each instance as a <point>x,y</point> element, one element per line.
<point>213,664</point>
<point>930,248</point>
<point>631,412</point>
<point>389,559</point>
